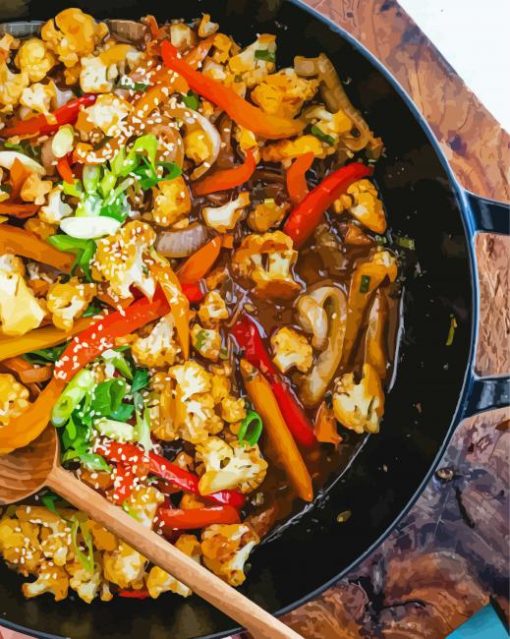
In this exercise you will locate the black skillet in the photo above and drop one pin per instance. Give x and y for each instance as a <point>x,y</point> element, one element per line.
<point>435,386</point>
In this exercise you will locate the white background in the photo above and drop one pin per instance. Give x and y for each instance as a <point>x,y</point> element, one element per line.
<point>474,36</point>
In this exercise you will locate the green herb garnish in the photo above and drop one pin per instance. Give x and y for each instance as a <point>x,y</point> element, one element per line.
<point>191,100</point>
<point>405,242</point>
<point>48,501</point>
<point>251,429</point>
<point>323,137</point>
<point>91,310</point>
<point>92,461</point>
<point>264,54</point>
<point>140,380</point>
<point>107,397</point>
<point>44,355</point>
<point>451,330</point>
<point>83,249</point>
<point>365,284</point>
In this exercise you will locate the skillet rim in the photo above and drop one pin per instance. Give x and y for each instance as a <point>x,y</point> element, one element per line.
<point>462,200</point>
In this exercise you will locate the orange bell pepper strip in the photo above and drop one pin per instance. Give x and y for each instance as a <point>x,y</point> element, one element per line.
<point>201,262</point>
<point>26,372</point>
<point>271,127</point>
<point>227,178</point>
<point>179,303</point>
<point>64,170</point>
<point>101,335</point>
<point>39,338</point>
<point>153,25</point>
<point>197,55</point>
<point>20,211</point>
<point>17,177</point>
<point>325,429</point>
<point>23,429</point>
<point>281,443</point>
<point>297,188</point>
<point>26,244</point>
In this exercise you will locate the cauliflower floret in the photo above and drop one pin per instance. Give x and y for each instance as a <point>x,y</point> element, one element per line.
<point>55,532</point>
<point>72,34</point>
<point>11,87</point>
<point>267,261</point>
<point>55,210</point>
<point>119,259</point>
<point>220,387</point>
<point>291,349</point>
<point>68,301</point>
<point>35,59</point>
<point>226,548</point>
<point>233,465</point>
<point>20,311</point>
<point>13,398</point>
<point>172,201</point>
<point>233,409</point>
<point>182,36</point>
<point>284,93</point>
<point>107,114</point>
<point>50,578</point>
<point>224,218</point>
<point>159,347</point>
<point>40,228</point>
<point>247,140</point>
<point>38,97</point>
<point>290,149</point>
<point>125,566</point>
<point>206,27</point>
<point>103,539</point>
<point>192,379</point>
<point>334,125</point>
<point>197,146</point>
<point>213,70</point>
<point>266,215</point>
<point>255,61</point>
<point>84,582</point>
<point>35,190</point>
<point>360,406</point>
<point>94,76</point>
<point>362,203</point>
<point>212,310</point>
<point>159,581</point>
<point>206,341</point>
<point>19,544</point>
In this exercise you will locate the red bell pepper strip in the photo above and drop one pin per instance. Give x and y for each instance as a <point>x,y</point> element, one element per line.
<point>123,483</point>
<point>297,188</point>
<point>272,127</point>
<point>101,335</point>
<point>247,334</point>
<point>228,178</point>
<point>307,215</point>
<point>64,170</point>
<point>155,464</point>
<point>178,519</point>
<point>201,262</point>
<point>41,125</point>
<point>134,594</point>
<point>193,291</point>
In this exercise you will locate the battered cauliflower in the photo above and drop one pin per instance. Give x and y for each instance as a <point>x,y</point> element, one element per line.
<point>255,61</point>
<point>226,548</point>
<point>267,261</point>
<point>20,311</point>
<point>50,579</point>
<point>34,59</point>
<point>35,189</point>
<point>55,533</point>
<point>362,203</point>
<point>233,465</point>
<point>11,87</point>
<point>13,398</point>
<point>212,310</point>
<point>233,409</point>
<point>38,97</point>
<point>171,201</point>
<point>206,27</point>
<point>119,259</point>
<point>224,218</point>
<point>182,36</point>
<point>84,582</point>
<point>106,115</point>
<point>334,125</point>
<point>284,93</point>
<point>192,379</point>
<point>68,300</point>
<point>266,215</point>
<point>206,341</point>
<point>291,349</point>
<point>125,566</point>
<point>197,146</point>
<point>55,210</point>
<point>72,35</point>
<point>94,76</point>
<point>159,348</point>
<point>19,544</point>
<point>159,581</point>
<point>359,406</point>
<point>290,149</point>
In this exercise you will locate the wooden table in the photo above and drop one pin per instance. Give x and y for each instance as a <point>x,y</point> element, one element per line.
<point>449,556</point>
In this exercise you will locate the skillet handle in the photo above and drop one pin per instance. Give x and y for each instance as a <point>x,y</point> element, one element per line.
<point>485,393</point>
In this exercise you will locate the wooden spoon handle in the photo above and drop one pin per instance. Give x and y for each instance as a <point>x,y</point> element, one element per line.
<point>204,583</point>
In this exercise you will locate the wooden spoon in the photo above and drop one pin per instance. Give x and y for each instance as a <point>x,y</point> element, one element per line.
<point>26,470</point>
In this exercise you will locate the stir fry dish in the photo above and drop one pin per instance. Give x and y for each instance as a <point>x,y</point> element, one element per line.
<point>196,291</point>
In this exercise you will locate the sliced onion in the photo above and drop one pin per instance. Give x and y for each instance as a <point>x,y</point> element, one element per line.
<point>7,159</point>
<point>172,139</point>
<point>181,243</point>
<point>48,158</point>
<point>191,120</point>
